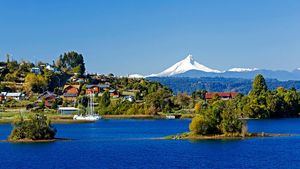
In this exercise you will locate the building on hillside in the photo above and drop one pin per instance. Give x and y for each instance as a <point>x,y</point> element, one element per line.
<point>96,89</point>
<point>222,95</point>
<point>2,97</point>
<point>48,97</point>
<point>14,96</point>
<point>104,87</point>
<point>70,92</point>
<point>36,70</point>
<point>114,93</point>
<point>52,68</point>
<point>92,89</point>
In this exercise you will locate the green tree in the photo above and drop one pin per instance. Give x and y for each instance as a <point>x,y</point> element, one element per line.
<point>157,101</point>
<point>231,122</point>
<point>35,83</point>
<point>199,125</point>
<point>7,58</point>
<point>259,86</point>
<point>183,100</point>
<point>71,62</point>
<point>199,94</point>
<point>104,100</point>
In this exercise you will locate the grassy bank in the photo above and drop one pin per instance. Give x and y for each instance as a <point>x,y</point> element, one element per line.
<point>9,115</point>
<point>133,116</point>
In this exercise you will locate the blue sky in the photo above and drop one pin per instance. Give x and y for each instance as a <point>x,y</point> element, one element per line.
<point>139,36</point>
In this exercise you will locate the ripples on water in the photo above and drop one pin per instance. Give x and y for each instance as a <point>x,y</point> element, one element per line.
<point>129,144</point>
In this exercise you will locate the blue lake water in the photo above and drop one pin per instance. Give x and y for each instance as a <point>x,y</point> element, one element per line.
<point>129,144</point>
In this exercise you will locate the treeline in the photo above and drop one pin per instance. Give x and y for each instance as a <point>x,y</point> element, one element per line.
<point>218,84</point>
<point>218,116</point>
<point>150,98</point>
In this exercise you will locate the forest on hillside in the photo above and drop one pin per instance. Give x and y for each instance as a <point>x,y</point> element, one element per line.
<point>218,84</point>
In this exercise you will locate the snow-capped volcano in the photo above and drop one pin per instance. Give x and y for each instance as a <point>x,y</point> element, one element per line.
<point>190,68</point>
<point>185,65</point>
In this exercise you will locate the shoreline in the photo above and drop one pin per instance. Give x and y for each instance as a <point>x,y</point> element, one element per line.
<point>68,119</point>
<point>36,141</point>
<point>189,136</point>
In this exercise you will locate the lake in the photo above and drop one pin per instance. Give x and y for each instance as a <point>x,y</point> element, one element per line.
<point>130,144</point>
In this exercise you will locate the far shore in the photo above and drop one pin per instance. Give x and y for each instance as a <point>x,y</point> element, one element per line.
<point>68,119</point>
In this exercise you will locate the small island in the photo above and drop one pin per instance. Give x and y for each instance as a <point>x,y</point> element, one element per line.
<point>204,128</point>
<point>227,119</point>
<point>37,128</point>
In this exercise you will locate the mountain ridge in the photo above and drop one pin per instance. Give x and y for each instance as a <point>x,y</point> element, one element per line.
<point>188,67</point>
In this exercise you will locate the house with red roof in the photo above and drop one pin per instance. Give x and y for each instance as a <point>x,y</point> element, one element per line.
<point>222,95</point>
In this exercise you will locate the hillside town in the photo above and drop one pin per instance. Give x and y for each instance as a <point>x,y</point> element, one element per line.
<point>63,85</point>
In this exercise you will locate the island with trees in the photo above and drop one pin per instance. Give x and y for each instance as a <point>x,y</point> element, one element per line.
<point>220,119</point>
<point>36,128</point>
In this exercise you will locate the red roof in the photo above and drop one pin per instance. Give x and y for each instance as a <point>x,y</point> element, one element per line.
<point>210,95</point>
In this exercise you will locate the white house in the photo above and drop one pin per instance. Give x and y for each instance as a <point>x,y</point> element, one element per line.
<point>68,110</point>
<point>15,96</point>
<point>52,68</point>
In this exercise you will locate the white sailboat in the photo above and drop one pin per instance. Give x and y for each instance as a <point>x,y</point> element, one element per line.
<point>91,115</point>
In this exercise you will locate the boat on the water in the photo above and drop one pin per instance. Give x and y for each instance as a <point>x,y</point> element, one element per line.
<point>91,115</point>
<point>173,116</point>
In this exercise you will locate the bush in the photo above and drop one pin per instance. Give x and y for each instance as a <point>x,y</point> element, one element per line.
<point>230,122</point>
<point>199,125</point>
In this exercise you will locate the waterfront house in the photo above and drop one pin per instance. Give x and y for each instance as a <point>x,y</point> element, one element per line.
<point>70,92</point>
<point>48,97</point>
<point>222,95</point>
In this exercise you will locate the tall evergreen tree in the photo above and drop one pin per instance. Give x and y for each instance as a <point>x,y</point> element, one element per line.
<point>105,99</point>
<point>259,86</point>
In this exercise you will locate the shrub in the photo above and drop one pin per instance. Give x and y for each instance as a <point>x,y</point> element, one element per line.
<point>199,125</point>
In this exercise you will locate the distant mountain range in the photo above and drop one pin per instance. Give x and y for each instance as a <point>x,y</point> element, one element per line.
<point>188,67</point>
